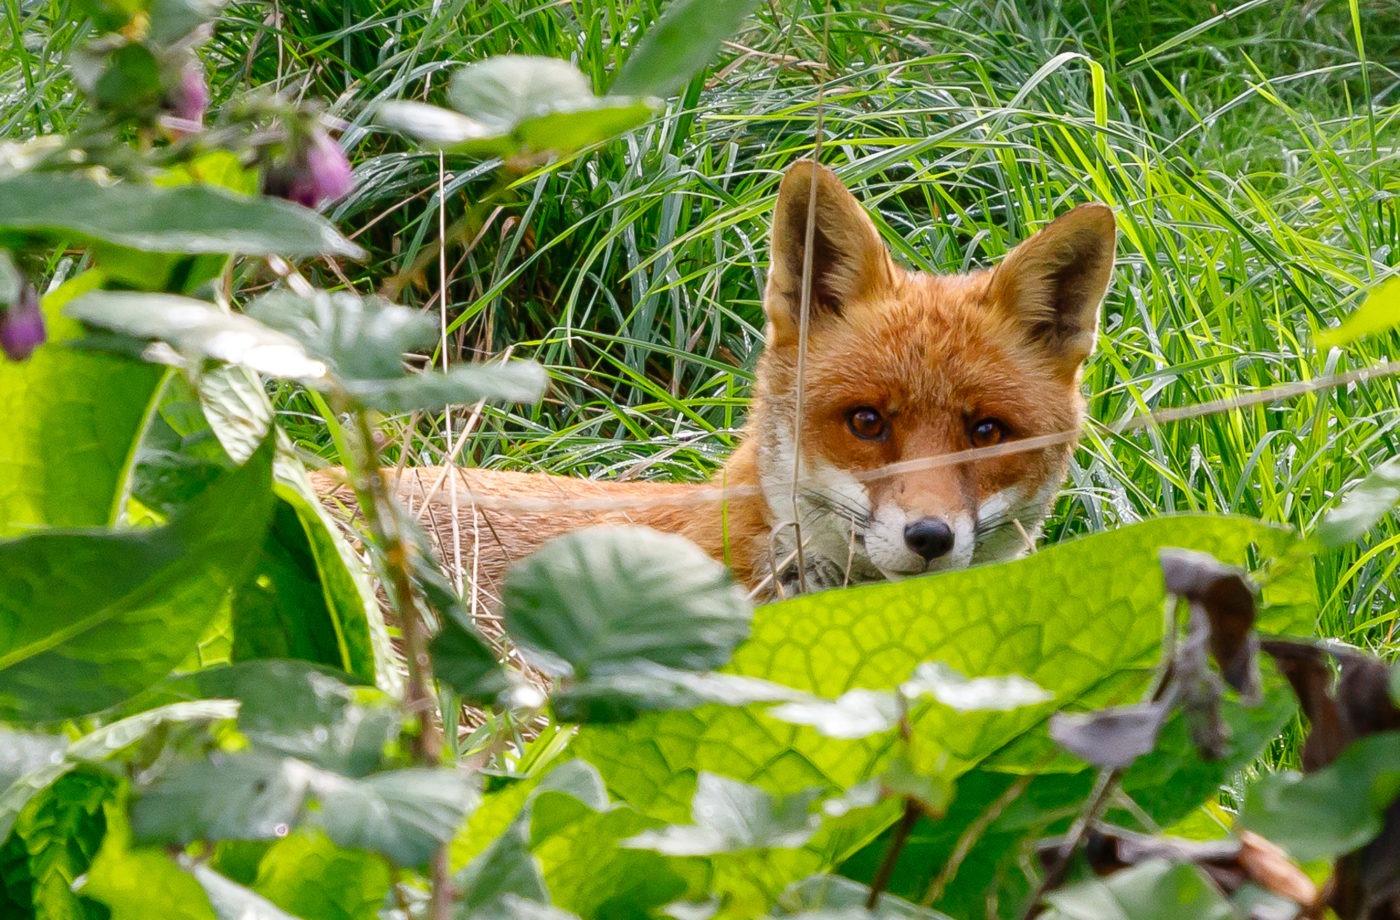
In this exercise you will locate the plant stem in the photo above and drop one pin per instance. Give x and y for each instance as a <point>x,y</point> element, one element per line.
<point>897,842</point>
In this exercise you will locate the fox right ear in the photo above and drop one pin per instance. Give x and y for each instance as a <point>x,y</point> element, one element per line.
<point>847,258</point>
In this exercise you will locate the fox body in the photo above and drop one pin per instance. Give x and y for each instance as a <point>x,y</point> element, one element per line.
<point>851,410</point>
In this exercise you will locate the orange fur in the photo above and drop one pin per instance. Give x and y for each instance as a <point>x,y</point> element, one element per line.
<point>935,359</point>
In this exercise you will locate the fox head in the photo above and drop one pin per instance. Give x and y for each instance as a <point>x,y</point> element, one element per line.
<point>901,368</point>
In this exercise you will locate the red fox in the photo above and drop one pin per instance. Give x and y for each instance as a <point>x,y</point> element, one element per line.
<point>899,366</point>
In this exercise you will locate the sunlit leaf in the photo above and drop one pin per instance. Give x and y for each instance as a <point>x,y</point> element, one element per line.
<point>1379,312</point>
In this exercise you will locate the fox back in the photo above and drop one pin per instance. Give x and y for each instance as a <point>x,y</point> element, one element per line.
<point>874,385</point>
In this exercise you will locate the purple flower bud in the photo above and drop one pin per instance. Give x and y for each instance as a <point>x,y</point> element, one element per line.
<point>188,99</point>
<point>21,324</point>
<point>316,171</point>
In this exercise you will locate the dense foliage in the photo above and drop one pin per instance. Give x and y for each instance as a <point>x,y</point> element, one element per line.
<point>204,711</point>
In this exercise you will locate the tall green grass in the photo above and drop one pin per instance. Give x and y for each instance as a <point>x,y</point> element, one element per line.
<point>1250,152</point>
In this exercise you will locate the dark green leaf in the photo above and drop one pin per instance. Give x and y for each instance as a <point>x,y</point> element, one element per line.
<point>1365,504</point>
<point>90,617</point>
<point>199,331</point>
<point>1154,890</point>
<point>465,662</point>
<point>130,80</point>
<point>188,219</point>
<point>732,817</point>
<point>1330,812</point>
<point>297,709</point>
<point>679,45</point>
<point>404,814</point>
<point>617,596</point>
<point>506,868</point>
<point>172,20</point>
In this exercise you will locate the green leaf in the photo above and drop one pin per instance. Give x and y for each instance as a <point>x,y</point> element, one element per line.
<point>518,104</point>
<point>75,644</point>
<point>1379,312</point>
<point>516,382</point>
<point>732,817</point>
<point>1333,811</point>
<point>1365,504</point>
<point>93,404</point>
<point>141,883</point>
<point>404,814</point>
<point>464,661</point>
<point>296,709</point>
<point>309,876</point>
<point>198,331</point>
<point>187,219</point>
<point>301,601</point>
<point>679,45</point>
<point>60,833</point>
<point>1082,620</point>
<point>834,893</point>
<point>364,340</point>
<point>1154,890</point>
<point>615,596</point>
<point>232,901</point>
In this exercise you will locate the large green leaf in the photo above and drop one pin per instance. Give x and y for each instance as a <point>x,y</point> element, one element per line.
<point>681,42</point>
<point>1073,618</point>
<point>187,219</point>
<point>613,611</point>
<point>518,104</point>
<point>91,404</point>
<point>1370,500</point>
<point>87,618</point>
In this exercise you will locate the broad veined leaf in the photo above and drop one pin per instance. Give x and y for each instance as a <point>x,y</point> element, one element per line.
<point>404,814</point>
<point>1379,312</point>
<point>1072,618</point>
<point>604,608</point>
<point>679,44</point>
<point>307,875</point>
<point>363,340</point>
<point>518,104</point>
<point>93,404</point>
<point>187,219</point>
<point>88,618</point>
<point>197,331</point>
<point>298,709</point>
<point>1372,499</point>
<point>144,882</point>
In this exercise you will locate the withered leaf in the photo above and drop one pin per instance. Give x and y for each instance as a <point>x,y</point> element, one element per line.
<point>1224,596</point>
<point>1111,738</point>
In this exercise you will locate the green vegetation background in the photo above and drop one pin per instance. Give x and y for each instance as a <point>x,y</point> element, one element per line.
<point>1250,152</point>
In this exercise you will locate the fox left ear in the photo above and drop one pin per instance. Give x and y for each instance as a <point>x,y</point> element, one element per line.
<point>1054,281</point>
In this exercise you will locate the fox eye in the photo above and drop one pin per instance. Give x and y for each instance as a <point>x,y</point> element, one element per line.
<point>866,423</point>
<point>986,432</point>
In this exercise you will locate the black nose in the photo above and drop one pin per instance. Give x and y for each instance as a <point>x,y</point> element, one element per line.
<point>929,537</point>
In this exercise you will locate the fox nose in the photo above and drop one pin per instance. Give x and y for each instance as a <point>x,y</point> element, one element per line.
<point>929,537</point>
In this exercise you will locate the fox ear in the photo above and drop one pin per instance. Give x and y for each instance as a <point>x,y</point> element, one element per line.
<point>848,256</point>
<point>1053,283</point>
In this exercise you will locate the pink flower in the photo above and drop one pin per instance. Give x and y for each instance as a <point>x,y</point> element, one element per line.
<point>315,171</point>
<point>188,99</point>
<point>21,323</point>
